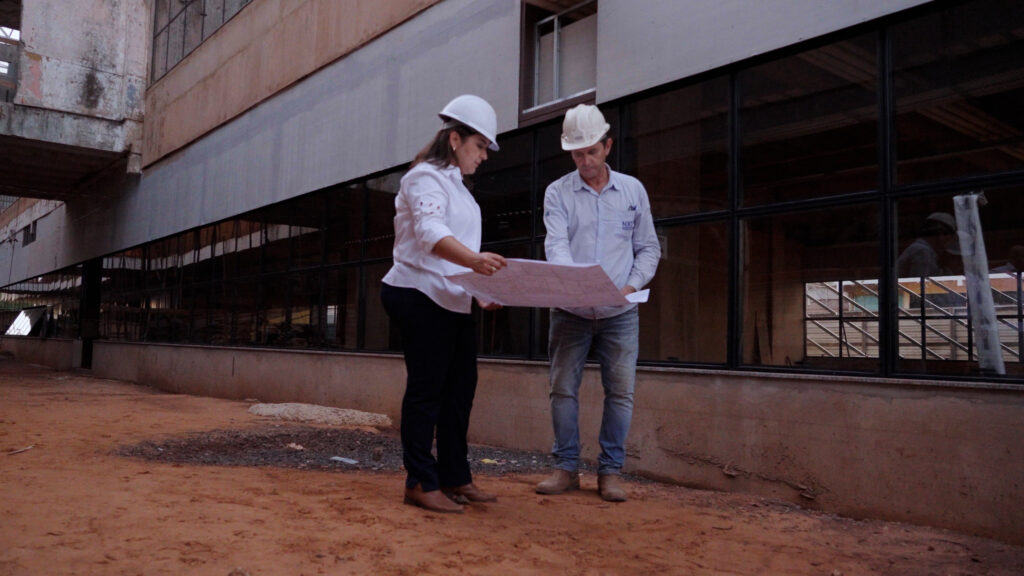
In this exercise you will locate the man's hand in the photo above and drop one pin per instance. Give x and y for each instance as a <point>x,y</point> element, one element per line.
<point>627,290</point>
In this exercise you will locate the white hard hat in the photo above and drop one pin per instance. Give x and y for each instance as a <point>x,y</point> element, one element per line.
<point>943,218</point>
<point>583,126</point>
<point>475,112</point>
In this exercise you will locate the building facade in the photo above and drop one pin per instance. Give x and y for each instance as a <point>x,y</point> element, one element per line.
<point>799,156</point>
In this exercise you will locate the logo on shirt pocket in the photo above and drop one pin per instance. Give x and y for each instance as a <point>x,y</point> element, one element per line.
<point>627,225</point>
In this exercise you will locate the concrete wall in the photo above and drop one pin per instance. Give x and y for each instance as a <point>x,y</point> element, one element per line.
<point>369,111</point>
<point>269,45</point>
<point>57,353</point>
<point>83,62</point>
<point>897,450</point>
<point>646,43</point>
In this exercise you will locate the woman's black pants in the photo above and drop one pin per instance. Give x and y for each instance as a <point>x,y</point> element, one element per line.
<point>440,361</point>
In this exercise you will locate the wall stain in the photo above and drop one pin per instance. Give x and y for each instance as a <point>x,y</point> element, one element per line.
<point>92,90</point>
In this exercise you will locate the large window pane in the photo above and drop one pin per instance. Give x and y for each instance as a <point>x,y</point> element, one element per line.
<point>958,84</point>
<point>677,143</point>
<point>276,221</point>
<point>502,187</point>
<point>505,331</point>
<point>553,163</point>
<point>380,333</point>
<point>936,326</point>
<point>686,319</point>
<point>306,229</point>
<point>810,289</point>
<point>305,317</point>
<point>163,264</point>
<point>380,224</point>
<point>341,308</point>
<point>243,248</point>
<point>809,123</point>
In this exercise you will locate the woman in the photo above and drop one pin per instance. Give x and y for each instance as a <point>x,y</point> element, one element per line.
<point>437,233</point>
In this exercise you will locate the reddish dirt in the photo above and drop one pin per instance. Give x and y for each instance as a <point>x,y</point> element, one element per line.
<point>71,504</point>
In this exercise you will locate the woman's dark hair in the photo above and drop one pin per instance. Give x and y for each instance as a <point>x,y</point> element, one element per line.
<point>439,152</point>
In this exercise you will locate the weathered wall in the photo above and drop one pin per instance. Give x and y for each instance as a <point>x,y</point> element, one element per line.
<point>88,58</point>
<point>57,353</point>
<point>897,450</point>
<point>268,46</point>
<point>367,112</point>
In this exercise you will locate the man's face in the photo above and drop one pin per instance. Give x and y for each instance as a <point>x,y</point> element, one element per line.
<point>590,161</point>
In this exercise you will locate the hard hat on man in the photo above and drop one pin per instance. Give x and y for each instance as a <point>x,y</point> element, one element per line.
<point>475,112</point>
<point>584,125</point>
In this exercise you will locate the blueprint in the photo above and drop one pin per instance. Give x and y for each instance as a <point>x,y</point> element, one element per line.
<point>542,284</point>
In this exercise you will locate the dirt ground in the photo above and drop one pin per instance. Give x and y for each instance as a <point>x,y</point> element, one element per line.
<point>78,495</point>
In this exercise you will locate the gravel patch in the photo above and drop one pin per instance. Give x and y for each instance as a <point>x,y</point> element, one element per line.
<point>312,448</point>
<point>324,449</point>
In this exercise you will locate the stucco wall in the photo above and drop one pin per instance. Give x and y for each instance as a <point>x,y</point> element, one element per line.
<point>899,450</point>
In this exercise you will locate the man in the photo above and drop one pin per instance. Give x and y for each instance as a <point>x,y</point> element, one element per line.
<point>931,254</point>
<point>595,214</point>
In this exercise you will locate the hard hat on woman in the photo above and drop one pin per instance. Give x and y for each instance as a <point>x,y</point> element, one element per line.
<point>475,112</point>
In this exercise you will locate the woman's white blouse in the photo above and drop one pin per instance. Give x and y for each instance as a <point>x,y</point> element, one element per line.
<point>433,203</point>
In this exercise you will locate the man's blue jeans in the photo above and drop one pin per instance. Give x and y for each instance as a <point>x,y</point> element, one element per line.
<point>615,343</point>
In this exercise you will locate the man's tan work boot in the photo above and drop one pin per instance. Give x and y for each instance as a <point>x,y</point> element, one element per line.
<point>560,481</point>
<point>610,488</point>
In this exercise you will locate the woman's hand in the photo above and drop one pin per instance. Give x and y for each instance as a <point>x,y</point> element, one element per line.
<point>488,305</point>
<point>487,263</point>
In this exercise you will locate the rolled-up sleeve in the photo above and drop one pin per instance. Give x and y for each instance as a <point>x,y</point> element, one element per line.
<point>428,205</point>
<point>646,248</point>
<point>556,225</point>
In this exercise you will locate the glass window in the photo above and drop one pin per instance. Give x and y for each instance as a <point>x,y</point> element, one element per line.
<point>163,264</point>
<point>809,123</point>
<point>245,299</point>
<point>345,217</point>
<point>552,164</point>
<point>936,325</point>
<point>242,245</point>
<point>341,307</point>
<point>217,331</point>
<point>958,85</point>
<point>380,332</point>
<point>686,319</point>
<point>180,26</point>
<point>810,289</point>
<point>305,321</point>
<point>502,186</point>
<point>505,331</point>
<point>273,323</point>
<point>276,222</point>
<point>559,52</point>
<point>380,223</point>
<point>677,144</point>
<point>307,230</point>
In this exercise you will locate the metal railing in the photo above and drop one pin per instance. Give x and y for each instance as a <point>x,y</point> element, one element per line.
<point>933,319</point>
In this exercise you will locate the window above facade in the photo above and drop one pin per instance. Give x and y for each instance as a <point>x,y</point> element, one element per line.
<point>559,54</point>
<point>179,26</point>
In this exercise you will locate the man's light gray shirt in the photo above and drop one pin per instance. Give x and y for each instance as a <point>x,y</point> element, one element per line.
<point>613,228</point>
